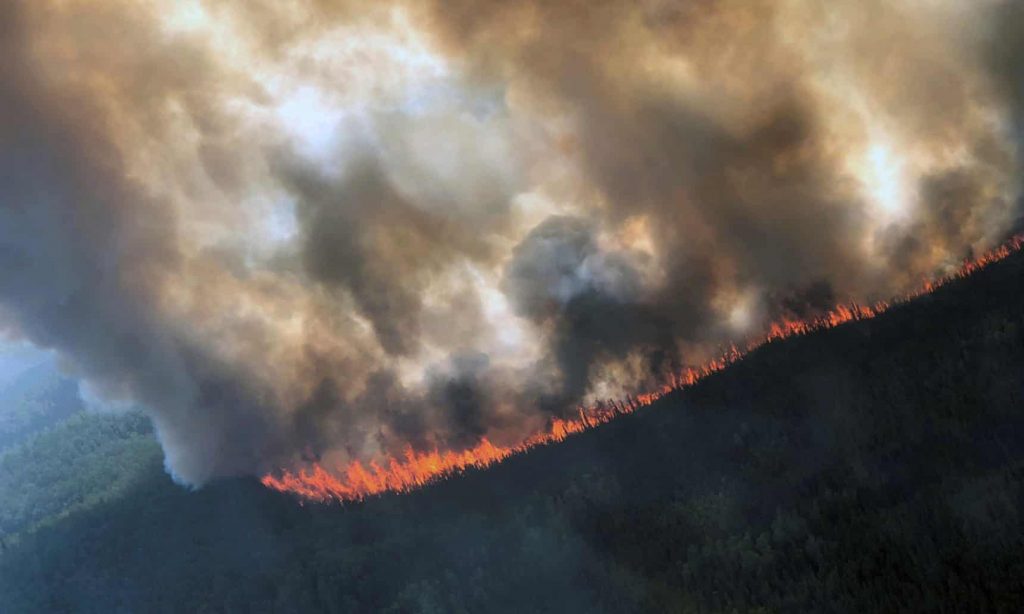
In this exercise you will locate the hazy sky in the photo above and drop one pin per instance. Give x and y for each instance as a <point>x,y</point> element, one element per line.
<point>18,357</point>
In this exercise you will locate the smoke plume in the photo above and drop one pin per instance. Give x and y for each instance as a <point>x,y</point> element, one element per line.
<point>327,230</point>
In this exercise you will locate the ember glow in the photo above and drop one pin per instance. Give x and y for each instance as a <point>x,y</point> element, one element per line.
<point>348,231</point>
<point>416,469</point>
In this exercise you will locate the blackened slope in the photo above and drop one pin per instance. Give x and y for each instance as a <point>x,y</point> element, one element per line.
<point>875,467</point>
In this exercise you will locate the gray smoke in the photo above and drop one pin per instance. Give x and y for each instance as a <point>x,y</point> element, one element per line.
<point>295,231</point>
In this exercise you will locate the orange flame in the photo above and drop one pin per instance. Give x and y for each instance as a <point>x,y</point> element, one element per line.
<point>415,469</point>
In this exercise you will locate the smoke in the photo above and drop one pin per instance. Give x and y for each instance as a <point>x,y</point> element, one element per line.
<point>310,230</point>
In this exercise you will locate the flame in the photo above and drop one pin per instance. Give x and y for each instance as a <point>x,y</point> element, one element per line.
<point>416,469</point>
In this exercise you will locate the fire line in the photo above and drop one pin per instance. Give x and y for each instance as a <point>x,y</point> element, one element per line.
<point>417,469</point>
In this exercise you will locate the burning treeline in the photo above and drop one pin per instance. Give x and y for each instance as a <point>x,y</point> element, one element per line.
<point>311,234</point>
<point>415,469</point>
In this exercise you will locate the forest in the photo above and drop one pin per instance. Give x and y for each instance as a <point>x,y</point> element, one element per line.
<point>878,466</point>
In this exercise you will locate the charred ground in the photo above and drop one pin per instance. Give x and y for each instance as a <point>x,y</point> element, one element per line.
<point>878,466</point>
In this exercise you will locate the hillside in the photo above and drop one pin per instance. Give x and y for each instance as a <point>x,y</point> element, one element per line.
<point>878,466</point>
<point>34,399</point>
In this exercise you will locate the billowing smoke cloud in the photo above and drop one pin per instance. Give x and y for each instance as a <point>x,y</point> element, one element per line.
<point>304,230</point>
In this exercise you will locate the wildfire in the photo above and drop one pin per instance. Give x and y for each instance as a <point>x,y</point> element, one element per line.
<point>415,469</point>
